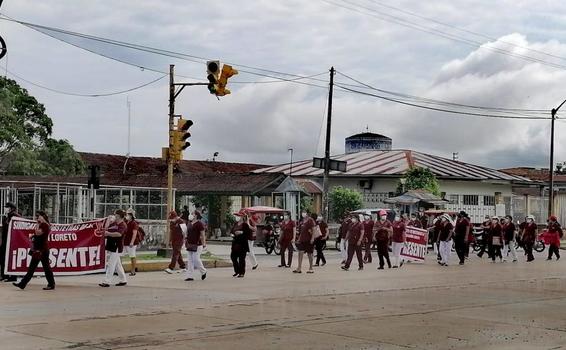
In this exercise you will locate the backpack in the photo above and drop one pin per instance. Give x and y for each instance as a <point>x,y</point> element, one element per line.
<point>141,235</point>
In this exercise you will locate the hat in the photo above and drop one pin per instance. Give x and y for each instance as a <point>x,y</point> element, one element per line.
<point>382,212</point>
<point>532,217</point>
<point>120,213</point>
<point>447,217</point>
<point>552,218</point>
<point>10,205</point>
<point>172,214</point>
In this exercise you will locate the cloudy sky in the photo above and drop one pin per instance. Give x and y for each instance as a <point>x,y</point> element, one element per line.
<point>260,121</point>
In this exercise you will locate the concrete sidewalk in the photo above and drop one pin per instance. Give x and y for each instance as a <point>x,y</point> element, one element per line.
<point>425,306</point>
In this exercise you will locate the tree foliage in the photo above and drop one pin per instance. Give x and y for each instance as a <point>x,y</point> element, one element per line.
<point>26,146</point>
<point>344,200</point>
<point>419,179</point>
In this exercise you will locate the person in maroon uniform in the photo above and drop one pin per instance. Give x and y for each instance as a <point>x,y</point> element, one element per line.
<point>445,239</point>
<point>131,239</point>
<point>320,242</point>
<point>461,234</point>
<point>554,232</point>
<point>398,240</point>
<point>368,239</point>
<point>286,240</point>
<point>195,244</point>
<point>176,239</point>
<point>114,248</point>
<point>471,236</point>
<point>529,236</point>
<point>509,229</point>
<point>306,241</point>
<point>39,253</point>
<point>485,237</point>
<point>383,229</point>
<point>496,234</point>
<point>344,226</point>
<point>355,238</point>
<point>413,221</point>
<point>241,232</point>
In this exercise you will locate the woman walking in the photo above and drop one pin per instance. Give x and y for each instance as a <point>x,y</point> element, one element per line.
<point>114,248</point>
<point>355,238</point>
<point>195,243</point>
<point>306,241</point>
<point>509,238</point>
<point>383,230</point>
<point>286,240</point>
<point>529,236</point>
<point>320,241</point>
<point>241,231</point>
<point>554,233</point>
<point>39,253</point>
<point>131,239</point>
<point>368,239</point>
<point>496,234</point>
<point>398,240</point>
<point>445,239</point>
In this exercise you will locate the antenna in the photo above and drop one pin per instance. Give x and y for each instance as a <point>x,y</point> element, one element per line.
<point>128,103</point>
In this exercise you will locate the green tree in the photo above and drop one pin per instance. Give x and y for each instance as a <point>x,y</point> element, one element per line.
<point>419,179</point>
<point>307,203</point>
<point>26,146</point>
<point>343,200</point>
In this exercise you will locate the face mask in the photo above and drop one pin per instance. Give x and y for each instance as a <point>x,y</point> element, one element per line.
<point>319,218</point>
<point>191,217</point>
<point>382,218</point>
<point>286,217</point>
<point>529,220</point>
<point>130,217</point>
<point>7,211</point>
<point>397,218</point>
<point>111,219</point>
<point>354,219</point>
<point>304,215</point>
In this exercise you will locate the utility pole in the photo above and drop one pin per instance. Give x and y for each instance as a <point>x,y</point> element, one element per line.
<point>170,159</point>
<point>325,184</point>
<point>551,167</point>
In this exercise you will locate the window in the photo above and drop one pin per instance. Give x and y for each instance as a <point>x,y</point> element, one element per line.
<point>489,201</point>
<point>471,199</point>
<point>454,199</point>
<point>374,197</point>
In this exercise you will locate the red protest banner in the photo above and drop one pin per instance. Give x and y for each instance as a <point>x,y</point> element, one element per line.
<point>74,249</point>
<point>416,247</point>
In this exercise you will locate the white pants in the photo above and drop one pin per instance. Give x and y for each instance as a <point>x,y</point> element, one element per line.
<point>344,249</point>
<point>445,250</point>
<point>113,264</point>
<point>194,262</point>
<point>253,260</point>
<point>509,247</point>
<point>397,247</point>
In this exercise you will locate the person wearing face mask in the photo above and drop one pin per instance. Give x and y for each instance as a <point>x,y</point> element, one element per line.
<point>554,233</point>
<point>445,239</point>
<point>39,253</point>
<point>496,234</point>
<point>461,235</point>
<point>319,242</point>
<point>240,233</point>
<point>10,211</point>
<point>252,222</point>
<point>131,239</point>
<point>286,240</point>
<point>343,231</point>
<point>382,230</point>
<point>368,239</point>
<point>306,241</point>
<point>486,238</point>
<point>529,236</point>
<point>114,247</point>
<point>509,238</point>
<point>398,240</point>
<point>414,222</point>
<point>355,238</point>
<point>176,239</point>
<point>195,243</point>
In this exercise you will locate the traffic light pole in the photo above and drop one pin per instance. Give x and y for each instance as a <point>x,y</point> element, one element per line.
<point>170,161</point>
<point>325,184</point>
<point>551,167</point>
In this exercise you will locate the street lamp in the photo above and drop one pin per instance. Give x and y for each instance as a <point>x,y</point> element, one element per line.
<point>551,168</point>
<point>291,164</point>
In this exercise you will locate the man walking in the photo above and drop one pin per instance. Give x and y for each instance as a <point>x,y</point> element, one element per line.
<point>509,238</point>
<point>176,240</point>
<point>529,237</point>
<point>383,230</point>
<point>9,212</point>
<point>368,239</point>
<point>554,234</point>
<point>355,237</point>
<point>461,233</point>
<point>343,231</point>
<point>445,239</point>
<point>114,247</point>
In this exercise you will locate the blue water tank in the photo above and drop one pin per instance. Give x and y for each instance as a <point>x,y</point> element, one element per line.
<point>367,141</point>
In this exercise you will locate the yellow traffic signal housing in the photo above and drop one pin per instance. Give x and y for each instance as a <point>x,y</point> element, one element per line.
<point>227,73</point>
<point>179,137</point>
<point>213,73</point>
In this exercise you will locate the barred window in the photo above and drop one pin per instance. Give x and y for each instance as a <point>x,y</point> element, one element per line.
<point>471,199</point>
<point>489,201</point>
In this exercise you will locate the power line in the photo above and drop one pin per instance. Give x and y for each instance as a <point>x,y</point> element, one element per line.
<point>441,109</point>
<point>445,103</point>
<point>86,95</point>
<point>406,23</point>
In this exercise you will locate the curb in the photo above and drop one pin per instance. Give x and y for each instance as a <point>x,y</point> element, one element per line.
<point>160,265</point>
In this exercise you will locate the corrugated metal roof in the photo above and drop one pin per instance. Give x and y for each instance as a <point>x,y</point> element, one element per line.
<point>396,163</point>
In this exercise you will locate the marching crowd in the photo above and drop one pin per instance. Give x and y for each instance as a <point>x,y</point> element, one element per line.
<point>357,234</point>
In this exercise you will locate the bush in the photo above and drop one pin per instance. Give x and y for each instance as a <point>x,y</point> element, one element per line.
<point>343,200</point>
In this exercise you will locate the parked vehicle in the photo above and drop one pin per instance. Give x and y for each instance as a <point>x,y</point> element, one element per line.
<point>267,220</point>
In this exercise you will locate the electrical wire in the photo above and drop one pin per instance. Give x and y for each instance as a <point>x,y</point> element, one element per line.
<point>406,97</point>
<point>406,23</point>
<point>86,95</point>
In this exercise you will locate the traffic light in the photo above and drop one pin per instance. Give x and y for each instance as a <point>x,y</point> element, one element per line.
<point>213,72</point>
<point>179,137</point>
<point>227,73</point>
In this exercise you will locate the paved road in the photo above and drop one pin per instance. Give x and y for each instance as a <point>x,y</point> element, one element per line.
<point>422,306</point>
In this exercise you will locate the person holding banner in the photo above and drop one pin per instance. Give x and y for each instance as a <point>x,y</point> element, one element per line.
<point>114,248</point>
<point>413,221</point>
<point>445,239</point>
<point>131,239</point>
<point>398,240</point>
<point>383,229</point>
<point>176,239</point>
<point>10,212</point>
<point>195,243</point>
<point>39,253</point>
